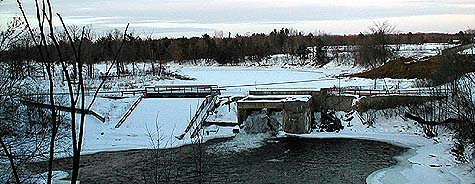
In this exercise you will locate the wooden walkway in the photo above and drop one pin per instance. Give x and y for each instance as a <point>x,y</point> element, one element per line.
<point>207,106</point>
<point>129,111</point>
<point>209,92</point>
<point>158,91</point>
<point>399,92</point>
<point>180,91</point>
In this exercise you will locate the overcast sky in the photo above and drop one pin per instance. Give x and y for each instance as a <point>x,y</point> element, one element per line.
<point>196,17</point>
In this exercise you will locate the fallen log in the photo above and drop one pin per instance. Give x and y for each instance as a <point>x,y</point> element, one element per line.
<point>432,123</point>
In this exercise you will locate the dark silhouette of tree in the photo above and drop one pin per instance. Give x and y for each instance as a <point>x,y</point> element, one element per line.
<point>372,48</point>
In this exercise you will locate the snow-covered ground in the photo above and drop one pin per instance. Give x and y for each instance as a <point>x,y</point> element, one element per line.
<point>165,118</point>
<point>405,50</point>
<point>174,114</point>
<point>421,50</point>
<point>470,51</point>
<point>162,118</point>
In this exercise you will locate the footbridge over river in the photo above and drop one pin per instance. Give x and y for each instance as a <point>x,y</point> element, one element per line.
<point>208,92</point>
<point>297,104</point>
<point>181,91</point>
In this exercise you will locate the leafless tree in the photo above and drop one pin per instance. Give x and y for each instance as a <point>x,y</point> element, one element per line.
<point>10,35</point>
<point>77,96</point>
<point>199,159</point>
<point>455,112</point>
<point>372,48</point>
<point>162,162</point>
<point>23,128</point>
<point>8,97</point>
<point>24,135</point>
<point>45,38</point>
<point>8,116</point>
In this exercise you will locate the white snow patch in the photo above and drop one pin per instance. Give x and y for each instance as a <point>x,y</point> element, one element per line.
<point>276,98</point>
<point>58,178</point>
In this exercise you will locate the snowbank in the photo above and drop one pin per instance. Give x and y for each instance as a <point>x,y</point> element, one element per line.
<point>58,178</point>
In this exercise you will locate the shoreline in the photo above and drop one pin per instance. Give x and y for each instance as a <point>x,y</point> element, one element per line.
<point>416,165</point>
<point>413,166</point>
<point>359,174</point>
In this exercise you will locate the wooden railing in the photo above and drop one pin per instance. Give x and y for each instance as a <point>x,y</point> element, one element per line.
<point>373,92</point>
<point>129,111</point>
<point>180,90</point>
<point>200,116</point>
<point>208,110</point>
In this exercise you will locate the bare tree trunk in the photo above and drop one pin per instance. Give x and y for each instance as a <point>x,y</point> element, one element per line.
<point>44,13</point>
<point>118,69</point>
<point>51,156</point>
<point>54,125</point>
<point>75,71</point>
<point>77,153</point>
<point>76,164</point>
<point>160,68</point>
<point>90,70</point>
<point>78,136</point>
<point>11,160</point>
<point>153,68</point>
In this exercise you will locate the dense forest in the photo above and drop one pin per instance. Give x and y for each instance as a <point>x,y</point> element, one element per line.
<point>227,50</point>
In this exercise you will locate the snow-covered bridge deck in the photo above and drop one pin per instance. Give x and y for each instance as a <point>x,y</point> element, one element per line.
<point>181,91</point>
<point>158,91</point>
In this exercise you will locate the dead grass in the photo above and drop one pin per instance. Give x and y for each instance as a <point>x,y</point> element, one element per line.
<point>440,69</point>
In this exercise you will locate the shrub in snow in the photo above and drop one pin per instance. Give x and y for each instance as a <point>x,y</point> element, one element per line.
<point>330,123</point>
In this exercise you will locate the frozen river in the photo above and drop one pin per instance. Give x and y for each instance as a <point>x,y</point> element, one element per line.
<point>239,80</point>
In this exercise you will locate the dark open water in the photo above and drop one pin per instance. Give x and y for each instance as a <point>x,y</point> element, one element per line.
<point>286,160</point>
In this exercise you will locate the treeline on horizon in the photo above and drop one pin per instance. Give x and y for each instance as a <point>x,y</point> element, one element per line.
<point>224,50</point>
<point>403,38</point>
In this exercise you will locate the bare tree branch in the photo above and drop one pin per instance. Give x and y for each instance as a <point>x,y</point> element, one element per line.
<point>433,123</point>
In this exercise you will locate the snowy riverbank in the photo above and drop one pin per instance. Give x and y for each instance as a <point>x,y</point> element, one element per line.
<point>426,161</point>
